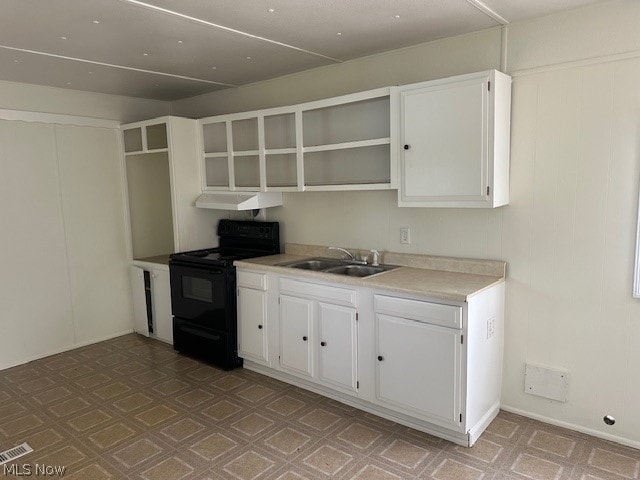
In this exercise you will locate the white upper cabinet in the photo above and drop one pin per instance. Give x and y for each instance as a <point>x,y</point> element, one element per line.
<point>341,143</point>
<point>453,147</point>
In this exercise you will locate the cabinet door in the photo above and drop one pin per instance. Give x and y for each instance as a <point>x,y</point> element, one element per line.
<point>296,335</point>
<point>338,346</point>
<point>444,141</point>
<point>418,368</point>
<point>140,325</point>
<point>252,323</point>
<point>161,294</point>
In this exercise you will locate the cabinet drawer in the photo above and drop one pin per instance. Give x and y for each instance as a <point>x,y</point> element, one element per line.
<point>433,313</point>
<point>251,280</point>
<point>337,295</point>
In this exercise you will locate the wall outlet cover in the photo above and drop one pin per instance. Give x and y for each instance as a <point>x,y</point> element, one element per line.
<point>405,235</point>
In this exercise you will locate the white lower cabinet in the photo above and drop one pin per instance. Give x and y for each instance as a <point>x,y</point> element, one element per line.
<point>152,301</point>
<point>296,335</point>
<point>435,366</point>
<point>318,340</point>
<point>338,339</point>
<point>418,368</point>
<point>252,317</point>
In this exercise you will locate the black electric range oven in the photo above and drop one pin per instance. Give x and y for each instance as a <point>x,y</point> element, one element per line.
<point>203,290</point>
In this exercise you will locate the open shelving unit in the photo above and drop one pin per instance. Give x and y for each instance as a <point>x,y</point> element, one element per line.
<point>341,143</point>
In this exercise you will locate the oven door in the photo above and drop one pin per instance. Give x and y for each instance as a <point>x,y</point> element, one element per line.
<point>201,295</point>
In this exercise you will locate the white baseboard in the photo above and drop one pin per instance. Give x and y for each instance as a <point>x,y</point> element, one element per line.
<point>571,426</point>
<point>22,361</point>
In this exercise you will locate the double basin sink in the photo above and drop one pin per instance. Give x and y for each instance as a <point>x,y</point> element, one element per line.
<point>338,267</point>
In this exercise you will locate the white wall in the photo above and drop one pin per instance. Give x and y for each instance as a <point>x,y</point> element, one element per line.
<point>64,279</point>
<point>569,231</point>
<point>38,98</point>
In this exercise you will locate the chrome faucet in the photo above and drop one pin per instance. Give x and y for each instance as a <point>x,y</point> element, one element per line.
<point>351,257</point>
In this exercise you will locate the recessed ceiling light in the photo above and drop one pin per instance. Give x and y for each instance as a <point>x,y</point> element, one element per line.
<point>96,22</point>
<point>90,73</point>
<point>180,41</point>
<point>63,38</point>
<point>339,33</point>
<point>397,16</point>
<point>68,83</point>
<point>213,68</point>
<point>249,58</point>
<point>16,61</point>
<point>157,85</point>
<point>145,54</point>
<point>271,10</point>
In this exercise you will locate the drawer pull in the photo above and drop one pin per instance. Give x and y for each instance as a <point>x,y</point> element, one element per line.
<point>324,344</point>
<point>304,339</point>
<point>259,327</point>
<point>380,358</point>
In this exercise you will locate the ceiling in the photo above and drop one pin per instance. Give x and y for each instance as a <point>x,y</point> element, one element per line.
<point>172,49</point>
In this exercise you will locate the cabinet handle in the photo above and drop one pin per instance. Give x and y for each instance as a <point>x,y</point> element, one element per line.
<point>304,339</point>
<point>380,358</point>
<point>406,147</point>
<point>324,344</point>
<point>259,327</point>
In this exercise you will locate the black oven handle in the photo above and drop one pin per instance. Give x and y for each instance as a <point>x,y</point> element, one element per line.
<point>216,272</point>
<point>200,333</point>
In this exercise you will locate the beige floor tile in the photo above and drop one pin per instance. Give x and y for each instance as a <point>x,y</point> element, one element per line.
<point>252,424</point>
<point>328,460</point>
<point>12,409</point>
<point>194,398</point>
<point>170,387</point>
<point>89,420</point>
<point>156,415</point>
<point>172,468</point>
<point>112,390</point>
<point>112,435</point>
<point>213,446</point>
<point>182,430</point>
<point>319,419</point>
<point>287,441</point>
<point>255,393</point>
<point>359,436</point>
<point>405,454</point>
<point>221,410</point>
<point>132,402</point>
<point>71,406</point>
<point>534,467</point>
<point>131,407</point>
<point>249,466</point>
<point>616,463</point>
<point>450,469</point>
<point>285,405</point>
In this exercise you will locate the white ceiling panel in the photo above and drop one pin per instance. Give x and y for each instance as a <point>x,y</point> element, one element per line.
<point>170,49</point>
<point>366,26</point>
<point>29,68</point>
<point>515,10</point>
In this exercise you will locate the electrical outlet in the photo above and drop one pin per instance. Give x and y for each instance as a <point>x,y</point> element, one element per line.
<point>491,327</point>
<point>405,235</point>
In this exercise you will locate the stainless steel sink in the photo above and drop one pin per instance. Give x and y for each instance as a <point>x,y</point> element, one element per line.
<point>358,270</point>
<point>315,264</point>
<point>337,267</point>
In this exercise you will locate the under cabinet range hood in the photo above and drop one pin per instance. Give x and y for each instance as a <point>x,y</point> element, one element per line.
<point>239,200</point>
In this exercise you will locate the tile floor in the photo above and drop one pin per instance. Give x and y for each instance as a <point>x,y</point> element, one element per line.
<point>132,408</point>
